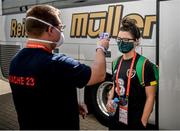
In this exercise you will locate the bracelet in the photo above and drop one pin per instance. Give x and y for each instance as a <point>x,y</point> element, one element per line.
<point>101,47</point>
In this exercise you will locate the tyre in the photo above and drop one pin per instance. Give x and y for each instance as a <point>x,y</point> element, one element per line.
<point>96,99</point>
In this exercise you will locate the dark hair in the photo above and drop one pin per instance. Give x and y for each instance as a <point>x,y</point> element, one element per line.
<point>130,26</point>
<point>44,12</point>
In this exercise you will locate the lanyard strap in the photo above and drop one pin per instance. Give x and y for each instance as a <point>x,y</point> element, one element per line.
<point>129,76</point>
<point>37,45</point>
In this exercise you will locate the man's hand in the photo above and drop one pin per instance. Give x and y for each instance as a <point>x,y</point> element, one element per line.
<point>104,43</point>
<point>104,40</point>
<point>83,110</point>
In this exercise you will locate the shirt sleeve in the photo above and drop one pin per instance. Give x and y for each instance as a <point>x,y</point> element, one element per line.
<point>149,76</point>
<point>71,71</point>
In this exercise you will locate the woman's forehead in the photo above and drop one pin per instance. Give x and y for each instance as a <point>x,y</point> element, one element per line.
<point>124,34</point>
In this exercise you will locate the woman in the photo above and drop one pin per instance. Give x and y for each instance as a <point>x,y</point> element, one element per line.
<point>135,100</point>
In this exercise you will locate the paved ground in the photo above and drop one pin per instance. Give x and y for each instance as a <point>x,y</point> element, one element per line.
<point>8,117</point>
<point>4,87</point>
<point>90,123</point>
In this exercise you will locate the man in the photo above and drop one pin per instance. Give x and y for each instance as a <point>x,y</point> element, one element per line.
<point>43,84</point>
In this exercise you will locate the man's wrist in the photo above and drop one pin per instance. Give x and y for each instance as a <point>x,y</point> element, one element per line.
<point>102,48</point>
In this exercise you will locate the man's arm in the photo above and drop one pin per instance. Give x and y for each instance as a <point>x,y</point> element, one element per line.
<point>150,98</point>
<point>98,69</point>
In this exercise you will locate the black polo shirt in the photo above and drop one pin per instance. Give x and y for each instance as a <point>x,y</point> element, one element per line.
<point>44,89</point>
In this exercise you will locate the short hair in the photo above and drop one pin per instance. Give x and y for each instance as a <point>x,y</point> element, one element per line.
<point>46,13</point>
<point>129,25</point>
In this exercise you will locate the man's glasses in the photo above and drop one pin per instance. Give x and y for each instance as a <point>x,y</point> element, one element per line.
<point>61,27</point>
<point>119,39</point>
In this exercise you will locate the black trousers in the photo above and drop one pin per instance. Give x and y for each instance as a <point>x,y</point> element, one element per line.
<point>114,124</point>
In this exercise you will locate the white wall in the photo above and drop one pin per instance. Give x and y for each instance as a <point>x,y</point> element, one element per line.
<point>0,7</point>
<point>169,90</point>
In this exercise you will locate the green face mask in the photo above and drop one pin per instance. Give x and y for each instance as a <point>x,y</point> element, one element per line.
<point>125,47</point>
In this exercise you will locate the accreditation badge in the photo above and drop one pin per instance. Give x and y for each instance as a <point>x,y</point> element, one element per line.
<point>123,111</point>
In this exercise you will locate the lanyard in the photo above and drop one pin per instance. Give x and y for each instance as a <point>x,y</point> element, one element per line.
<point>129,76</point>
<point>37,45</point>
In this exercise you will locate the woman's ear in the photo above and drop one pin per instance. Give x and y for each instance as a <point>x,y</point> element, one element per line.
<point>137,42</point>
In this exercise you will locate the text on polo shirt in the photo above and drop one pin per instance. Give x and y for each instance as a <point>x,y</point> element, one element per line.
<point>20,80</point>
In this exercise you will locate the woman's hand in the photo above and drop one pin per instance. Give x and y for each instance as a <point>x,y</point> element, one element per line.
<point>109,106</point>
<point>144,123</point>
